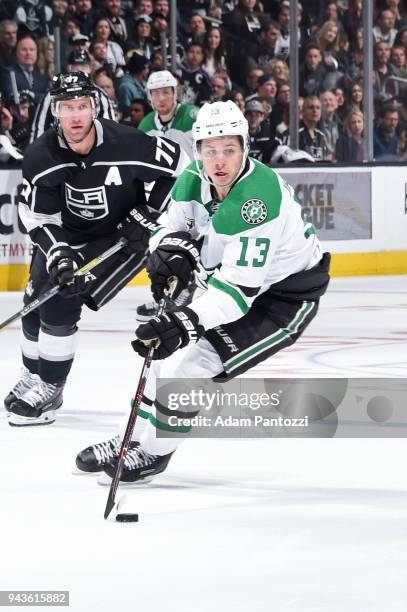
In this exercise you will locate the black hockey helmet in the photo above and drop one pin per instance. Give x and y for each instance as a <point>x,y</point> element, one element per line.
<point>79,57</point>
<point>71,86</point>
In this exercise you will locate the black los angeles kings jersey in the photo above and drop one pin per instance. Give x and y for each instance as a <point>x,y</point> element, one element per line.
<point>74,199</point>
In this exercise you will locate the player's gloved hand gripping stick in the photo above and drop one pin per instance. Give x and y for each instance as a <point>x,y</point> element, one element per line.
<point>47,295</point>
<point>110,504</point>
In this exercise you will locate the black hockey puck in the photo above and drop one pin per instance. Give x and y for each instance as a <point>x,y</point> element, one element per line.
<point>127,517</point>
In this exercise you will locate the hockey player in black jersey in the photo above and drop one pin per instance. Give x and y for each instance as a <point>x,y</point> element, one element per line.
<point>80,181</point>
<point>43,119</point>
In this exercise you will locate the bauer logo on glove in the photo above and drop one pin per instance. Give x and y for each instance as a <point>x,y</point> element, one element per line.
<point>171,331</point>
<point>176,255</point>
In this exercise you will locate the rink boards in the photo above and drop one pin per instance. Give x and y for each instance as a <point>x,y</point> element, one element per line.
<point>360,215</point>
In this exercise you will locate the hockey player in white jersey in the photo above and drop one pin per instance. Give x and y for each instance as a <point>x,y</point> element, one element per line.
<point>266,272</point>
<point>169,118</point>
<point>174,121</point>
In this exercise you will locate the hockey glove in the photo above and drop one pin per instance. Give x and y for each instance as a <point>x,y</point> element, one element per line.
<point>176,255</point>
<point>171,331</point>
<point>62,262</point>
<point>136,228</point>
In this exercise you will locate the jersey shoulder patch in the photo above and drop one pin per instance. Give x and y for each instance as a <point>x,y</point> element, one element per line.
<point>253,201</point>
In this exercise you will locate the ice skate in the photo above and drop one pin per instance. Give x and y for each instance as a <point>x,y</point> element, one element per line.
<point>25,383</point>
<point>92,459</point>
<point>37,405</point>
<point>139,468</point>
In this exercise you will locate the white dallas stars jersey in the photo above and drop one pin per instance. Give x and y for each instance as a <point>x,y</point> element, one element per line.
<point>252,239</point>
<point>179,129</point>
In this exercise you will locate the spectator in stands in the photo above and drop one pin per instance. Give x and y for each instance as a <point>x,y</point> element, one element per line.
<point>328,40</point>
<point>244,21</point>
<point>114,52</point>
<point>282,47</point>
<point>280,117</point>
<point>85,16</point>
<point>278,69</point>
<point>157,61</point>
<point>138,110</point>
<point>252,82</point>
<point>356,97</point>
<point>262,141</point>
<point>329,124</point>
<point>142,40</point>
<point>144,7</point>
<point>356,56</point>
<point>400,15</point>
<point>269,34</point>
<point>385,31</point>
<point>162,7</point>
<point>103,80</point>
<point>267,89</point>
<point>133,84</point>
<point>398,62</point>
<point>214,52</point>
<point>238,98</point>
<point>220,88</point>
<point>341,110</point>
<point>353,17</point>
<point>26,74</point>
<point>8,42</point>
<point>311,138</point>
<point>34,17</point>
<point>242,27</point>
<point>46,57</point>
<point>59,14</point>
<point>331,13</point>
<point>197,86</point>
<point>313,72</point>
<point>197,30</point>
<point>385,137</point>
<point>384,88</point>
<point>349,146</point>
<point>118,29</point>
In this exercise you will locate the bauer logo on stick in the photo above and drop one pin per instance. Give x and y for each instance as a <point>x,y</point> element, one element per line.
<point>254,211</point>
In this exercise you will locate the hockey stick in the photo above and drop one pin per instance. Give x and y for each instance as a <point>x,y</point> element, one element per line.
<point>54,290</point>
<point>110,504</point>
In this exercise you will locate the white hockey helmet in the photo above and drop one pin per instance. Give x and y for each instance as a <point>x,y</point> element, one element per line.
<point>221,119</point>
<point>161,78</point>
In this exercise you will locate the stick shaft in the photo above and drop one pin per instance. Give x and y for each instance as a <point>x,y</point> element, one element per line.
<point>47,295</point>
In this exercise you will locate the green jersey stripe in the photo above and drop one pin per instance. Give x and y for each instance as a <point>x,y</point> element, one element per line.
<point>278,336</point>
<point>234,293</point>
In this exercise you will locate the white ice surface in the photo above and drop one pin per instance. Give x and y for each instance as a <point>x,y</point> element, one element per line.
<point>281,525</point>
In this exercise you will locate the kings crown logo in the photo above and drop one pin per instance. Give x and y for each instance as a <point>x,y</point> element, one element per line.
<point>254,211</point>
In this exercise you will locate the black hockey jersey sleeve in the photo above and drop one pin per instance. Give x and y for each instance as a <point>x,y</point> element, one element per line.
<point>163,161</point>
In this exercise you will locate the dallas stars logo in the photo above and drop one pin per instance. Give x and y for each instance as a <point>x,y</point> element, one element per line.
<point>254,211</point>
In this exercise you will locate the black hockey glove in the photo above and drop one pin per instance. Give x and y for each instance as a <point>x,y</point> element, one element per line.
<point>136,228</point>
<point>172,331</point>
<point>62,262</point>
<point>176,255</point>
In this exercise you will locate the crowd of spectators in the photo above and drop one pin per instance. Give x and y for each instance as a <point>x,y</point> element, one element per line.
<point>226,49</point>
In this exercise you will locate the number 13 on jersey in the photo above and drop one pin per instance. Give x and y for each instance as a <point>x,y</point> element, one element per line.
<point>261,245</point>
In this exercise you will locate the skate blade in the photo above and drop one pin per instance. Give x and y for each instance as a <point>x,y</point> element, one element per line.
<point>16,420</point>
<point>104,480</point>
<point>77,472</point>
